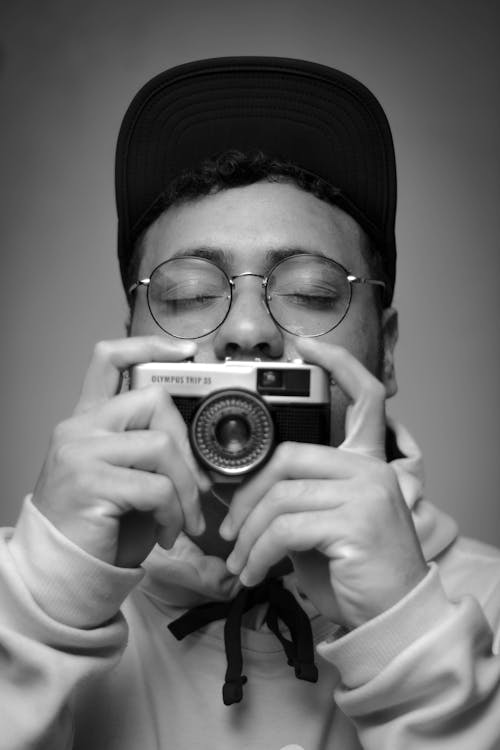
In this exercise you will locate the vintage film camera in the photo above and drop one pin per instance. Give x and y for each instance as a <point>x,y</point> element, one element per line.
<point>238,411</point>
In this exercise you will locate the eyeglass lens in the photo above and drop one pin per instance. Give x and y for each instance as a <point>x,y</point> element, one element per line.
<point>306,295</point>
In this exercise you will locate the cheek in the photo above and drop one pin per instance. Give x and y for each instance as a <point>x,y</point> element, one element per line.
<point>360,333</point>
<point>361,336</point>
<point>142,323</point>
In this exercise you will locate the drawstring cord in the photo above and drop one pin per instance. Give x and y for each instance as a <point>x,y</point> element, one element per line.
<point>282,606</point>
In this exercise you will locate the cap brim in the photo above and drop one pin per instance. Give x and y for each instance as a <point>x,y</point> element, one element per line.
<point>319,118</point>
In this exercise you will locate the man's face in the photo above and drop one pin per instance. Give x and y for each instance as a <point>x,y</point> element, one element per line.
<point>240,227</point>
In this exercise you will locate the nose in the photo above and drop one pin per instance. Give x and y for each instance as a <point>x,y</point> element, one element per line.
<point>248,331</point>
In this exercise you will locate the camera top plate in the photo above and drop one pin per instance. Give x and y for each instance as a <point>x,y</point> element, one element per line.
<point>275,381</point>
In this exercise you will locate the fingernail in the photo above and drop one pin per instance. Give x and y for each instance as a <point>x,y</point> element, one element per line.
<point>204,482</point>
<point>226,529</point>
<point>232,564</point>
<point>245,578</point>
<point>196,526</point>
<point>200,526</point>
<point>166,538</point>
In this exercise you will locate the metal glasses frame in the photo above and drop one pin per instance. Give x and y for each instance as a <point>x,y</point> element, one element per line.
<point>351,278</point>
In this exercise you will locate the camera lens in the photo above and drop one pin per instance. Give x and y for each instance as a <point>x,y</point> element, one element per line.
<point>232,434</point>
<point>232,431</point>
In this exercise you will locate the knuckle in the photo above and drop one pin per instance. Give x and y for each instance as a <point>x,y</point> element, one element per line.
<point>286,451</point>
<point>103,351</point>
<point>169,519</point>
<point>67,456</point>
<point>164,487</point>
<point>302,489</point>
<point>60,455</point>
<point>162,442</point>
<point>280,529</point>
<point>61,433</point>
<point>70,467</point>
<point>278,497</point>
<point>160,396</point>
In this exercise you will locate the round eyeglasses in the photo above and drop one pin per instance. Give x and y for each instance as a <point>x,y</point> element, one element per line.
<point>306,295</point>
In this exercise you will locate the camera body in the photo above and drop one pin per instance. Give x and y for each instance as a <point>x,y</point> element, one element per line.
<point>238,411</point>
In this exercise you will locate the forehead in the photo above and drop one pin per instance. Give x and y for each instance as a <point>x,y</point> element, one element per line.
<point>247,223</point>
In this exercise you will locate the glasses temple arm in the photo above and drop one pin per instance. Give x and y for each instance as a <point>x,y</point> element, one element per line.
<point>358,280</point>
<point>141,282</point>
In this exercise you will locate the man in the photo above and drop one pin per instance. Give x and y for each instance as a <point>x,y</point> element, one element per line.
<point>256,201</point>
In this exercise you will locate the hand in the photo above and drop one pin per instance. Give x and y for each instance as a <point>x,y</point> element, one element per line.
<point>119,474</point>
<point>338,512</point>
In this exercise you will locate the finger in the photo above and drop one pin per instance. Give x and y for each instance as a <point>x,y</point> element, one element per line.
<point>284,498</point>
<point>169,419</point>
<point>365,419</point>
<point>145,408</point>
<point>289,461</point>
<point>129,490</point>
<point>111,358</point>
<point>152,452</point>
<point>288,533</point>
<point>162,453</point>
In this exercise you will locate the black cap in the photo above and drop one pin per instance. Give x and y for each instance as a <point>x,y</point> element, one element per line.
<point>321,119</point>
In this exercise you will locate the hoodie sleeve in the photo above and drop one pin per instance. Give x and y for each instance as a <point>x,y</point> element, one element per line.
<point>59,624</point>
<point>424,674</point>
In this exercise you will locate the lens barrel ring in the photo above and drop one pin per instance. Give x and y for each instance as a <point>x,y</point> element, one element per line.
<point>247,412</point>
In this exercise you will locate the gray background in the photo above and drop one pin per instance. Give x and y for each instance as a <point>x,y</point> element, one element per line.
<point>68,71</point>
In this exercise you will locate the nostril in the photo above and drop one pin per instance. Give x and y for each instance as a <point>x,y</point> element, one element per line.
<point>239,351</point>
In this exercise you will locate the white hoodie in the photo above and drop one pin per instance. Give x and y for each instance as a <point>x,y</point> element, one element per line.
<point>77,673</point>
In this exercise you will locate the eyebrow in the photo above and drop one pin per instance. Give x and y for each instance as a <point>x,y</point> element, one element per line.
<point>224,257</point>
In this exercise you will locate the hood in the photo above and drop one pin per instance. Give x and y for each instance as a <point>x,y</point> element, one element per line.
<point>184,576</point>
